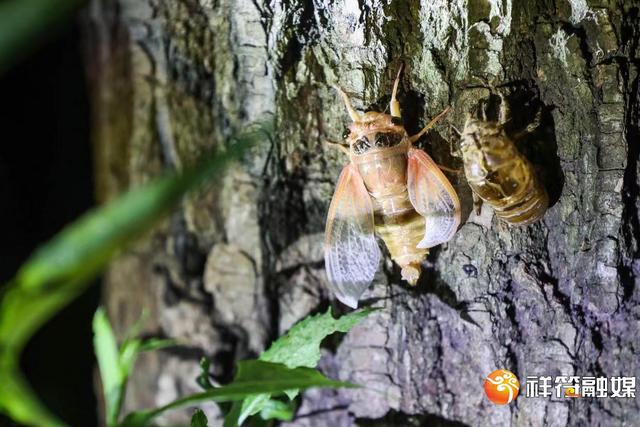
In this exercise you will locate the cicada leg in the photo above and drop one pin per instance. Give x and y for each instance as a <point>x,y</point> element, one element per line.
<point>496,187</point>
<point>448,169</point>
<point>531,127</point>
<point>341,147</point>
<point>481,110</point>
<point>505,111</point>
<point>455,152</point>
<point>429,125</point>
<point>477,203</point>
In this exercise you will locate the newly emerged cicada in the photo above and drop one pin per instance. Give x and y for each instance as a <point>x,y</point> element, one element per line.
<point>391,188</point>
<point>497,172</point>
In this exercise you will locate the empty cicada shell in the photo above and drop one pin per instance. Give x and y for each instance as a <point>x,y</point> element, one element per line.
<point>497,172</point>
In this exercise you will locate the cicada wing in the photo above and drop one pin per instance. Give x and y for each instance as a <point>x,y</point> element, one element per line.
<point>433,197</point>
<point>351,252</point>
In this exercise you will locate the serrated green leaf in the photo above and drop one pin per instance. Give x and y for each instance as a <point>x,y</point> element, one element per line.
<point>199,419</point>
<point>300,346</point>
<point>254,376</point>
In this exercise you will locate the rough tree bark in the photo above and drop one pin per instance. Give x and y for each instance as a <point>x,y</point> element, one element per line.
<point>242,261</point>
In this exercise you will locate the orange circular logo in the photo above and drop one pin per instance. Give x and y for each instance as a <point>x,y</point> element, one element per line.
<point>501,387</point>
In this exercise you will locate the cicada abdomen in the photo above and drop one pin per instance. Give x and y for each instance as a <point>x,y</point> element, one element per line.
<point>384,173</point>
<point>388,188</point>
<point>498,173</point>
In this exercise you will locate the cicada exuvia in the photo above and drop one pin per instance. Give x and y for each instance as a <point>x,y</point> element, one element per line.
<point>497,172</point>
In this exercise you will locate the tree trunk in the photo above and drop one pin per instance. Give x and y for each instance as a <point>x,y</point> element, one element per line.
<point>242,261</point>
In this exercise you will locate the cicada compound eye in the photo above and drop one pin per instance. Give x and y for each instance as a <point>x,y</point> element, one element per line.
<point>361,145</point>
<point>388,139</point>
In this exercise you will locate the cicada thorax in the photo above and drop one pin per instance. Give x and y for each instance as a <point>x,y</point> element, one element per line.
<point>500,175</point>
<point>380,155</point>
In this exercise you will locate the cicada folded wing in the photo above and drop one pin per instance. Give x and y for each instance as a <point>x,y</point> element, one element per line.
<point>433,197</point>
<point>351,252</point>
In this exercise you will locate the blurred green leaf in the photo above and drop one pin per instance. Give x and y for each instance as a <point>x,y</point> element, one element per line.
<point>254,376</point>
<point>20,310</point>
<point>111,374</point>
<point>116,365</point>
<point>151,344</point>
<point>24,23</point>
<point>199,419</point>
<point>24,403</point>
<point>277,410</point>
<point>58,271</point>
<point>299,347</point>
<point>204,379</point>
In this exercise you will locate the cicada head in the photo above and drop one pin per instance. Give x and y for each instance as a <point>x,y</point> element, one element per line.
<point>374,131</point>
<point>483,135</point>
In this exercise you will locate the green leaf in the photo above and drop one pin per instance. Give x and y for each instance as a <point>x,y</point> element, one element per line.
<point>57,272</point>
<point>199,419</point>
<point>20,310</point>
<point>116,365</point>
<point>23,403</point>
<point>299,347</point>
<point>129,351</point>
<point>136,329</point>
<point>254,376</point>
<point>152,344</point>
<point>204,379</point>
<point>278,410</point>
<point>111,374</point>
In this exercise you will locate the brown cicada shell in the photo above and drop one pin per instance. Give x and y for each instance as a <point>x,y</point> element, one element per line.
<point>388,188</point>
<point>498,173</point>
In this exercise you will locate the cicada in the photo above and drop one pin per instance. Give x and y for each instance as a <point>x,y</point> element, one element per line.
<point>497,172</point>
<point>389,188</point>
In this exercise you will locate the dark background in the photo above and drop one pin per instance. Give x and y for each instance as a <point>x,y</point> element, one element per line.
<point>46,182</point>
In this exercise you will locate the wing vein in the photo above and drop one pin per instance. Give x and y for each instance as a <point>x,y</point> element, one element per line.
<point>352,254</point>
<point>433,197</point>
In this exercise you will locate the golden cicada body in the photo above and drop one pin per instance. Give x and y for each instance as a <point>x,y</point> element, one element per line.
<point>498,173</point>
<point>388,188</point>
